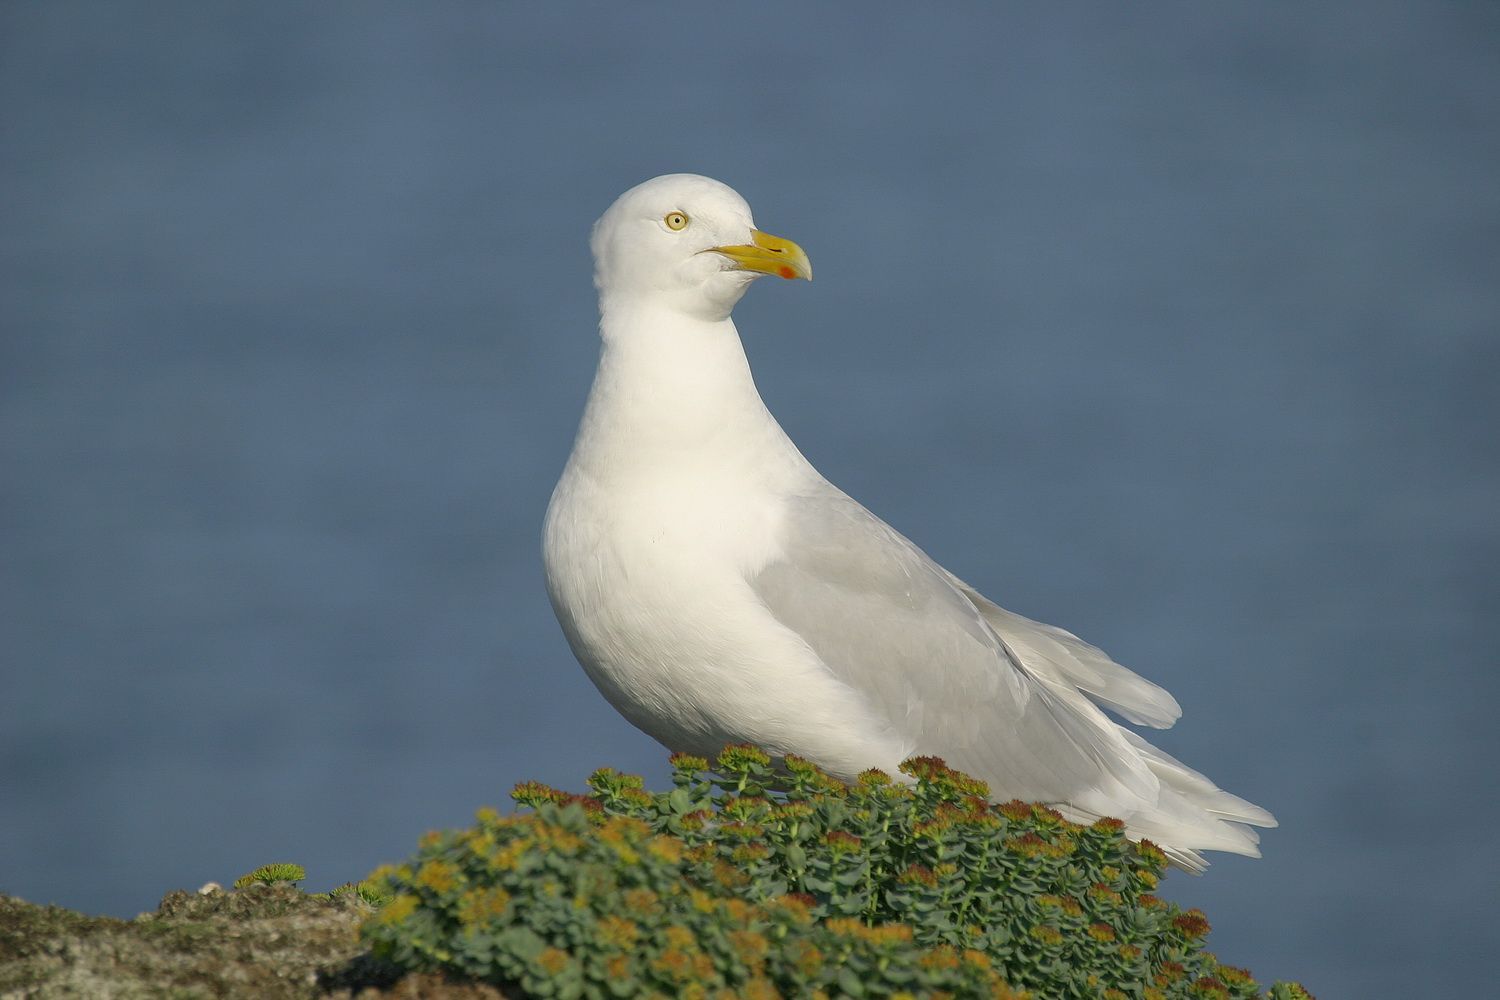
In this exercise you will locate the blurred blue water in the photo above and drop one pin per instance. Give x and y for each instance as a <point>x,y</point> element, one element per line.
<point>1173,325</point>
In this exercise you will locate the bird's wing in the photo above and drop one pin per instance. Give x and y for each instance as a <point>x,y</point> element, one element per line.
<point>912,639</point>
<point>1057,656</point>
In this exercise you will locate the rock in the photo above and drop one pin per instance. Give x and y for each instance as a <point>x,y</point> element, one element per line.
<point>268,942</point>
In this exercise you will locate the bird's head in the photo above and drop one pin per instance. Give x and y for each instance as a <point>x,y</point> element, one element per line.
<point>687,242</point>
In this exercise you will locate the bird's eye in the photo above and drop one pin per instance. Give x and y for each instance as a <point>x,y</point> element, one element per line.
<point>675,221</point>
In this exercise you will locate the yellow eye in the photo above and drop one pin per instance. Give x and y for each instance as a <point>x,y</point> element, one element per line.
<point>675,221</point>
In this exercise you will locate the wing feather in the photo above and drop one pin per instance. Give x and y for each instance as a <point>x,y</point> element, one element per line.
<point>1056,655</point>
<point>891,623</point>
<point>1007,699</point>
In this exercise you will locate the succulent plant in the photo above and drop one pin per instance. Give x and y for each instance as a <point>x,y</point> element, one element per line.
<point>754,879</point>
<point>271,874</point>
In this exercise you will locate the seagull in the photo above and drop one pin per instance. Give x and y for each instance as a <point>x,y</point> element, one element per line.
<point>718,590</point>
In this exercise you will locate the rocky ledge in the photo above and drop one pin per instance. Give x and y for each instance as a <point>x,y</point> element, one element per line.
<point>266,942</point>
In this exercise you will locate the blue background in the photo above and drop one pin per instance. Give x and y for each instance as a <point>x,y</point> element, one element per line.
<point>1175,325</point>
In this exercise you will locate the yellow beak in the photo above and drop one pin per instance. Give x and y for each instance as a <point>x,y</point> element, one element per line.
<point>769,255</point>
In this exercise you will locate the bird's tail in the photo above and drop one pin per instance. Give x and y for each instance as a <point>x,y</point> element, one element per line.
<point>1189,809</point>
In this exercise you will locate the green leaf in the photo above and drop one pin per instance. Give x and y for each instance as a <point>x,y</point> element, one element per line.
<point>850,983</point>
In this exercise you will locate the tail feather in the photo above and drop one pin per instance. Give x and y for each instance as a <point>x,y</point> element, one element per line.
<point>1192,810</point>
<point>1190,814</point>
<point>1056,654</point>
<point>1199,790</point>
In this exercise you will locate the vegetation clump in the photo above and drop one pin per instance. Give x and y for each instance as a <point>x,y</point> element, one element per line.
<point>751,880</point>
<point>271,875</point>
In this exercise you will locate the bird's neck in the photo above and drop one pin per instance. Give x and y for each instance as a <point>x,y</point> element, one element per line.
<point>670,388</point>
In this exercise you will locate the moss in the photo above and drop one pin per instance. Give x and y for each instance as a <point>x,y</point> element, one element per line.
<point>27,930</point>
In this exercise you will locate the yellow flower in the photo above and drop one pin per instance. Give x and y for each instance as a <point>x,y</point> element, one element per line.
<point>617,932</point>
<point>480,906</point>
<point>552,961</point>
<point>438,875</point>
<point>397,910</point>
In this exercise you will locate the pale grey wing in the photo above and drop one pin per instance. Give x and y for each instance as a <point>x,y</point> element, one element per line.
<point>897,628</point>
<point>1059,657</point>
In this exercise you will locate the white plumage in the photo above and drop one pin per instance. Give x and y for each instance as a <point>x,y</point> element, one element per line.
<point>718,590</point>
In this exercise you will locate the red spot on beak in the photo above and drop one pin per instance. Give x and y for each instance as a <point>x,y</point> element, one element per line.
<point>787,272</point>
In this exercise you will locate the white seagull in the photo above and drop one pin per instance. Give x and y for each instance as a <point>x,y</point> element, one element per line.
<point>717,589</point>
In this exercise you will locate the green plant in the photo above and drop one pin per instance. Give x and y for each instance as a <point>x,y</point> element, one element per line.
<point>748,880</point>
<point>271,874</point>
<point>367,891</point>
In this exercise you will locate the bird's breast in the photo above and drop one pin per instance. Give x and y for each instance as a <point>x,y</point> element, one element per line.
<point>647,575</point>
<point>649,567</point>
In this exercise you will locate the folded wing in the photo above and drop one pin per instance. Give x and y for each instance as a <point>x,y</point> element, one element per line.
<point>1002,697</point>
